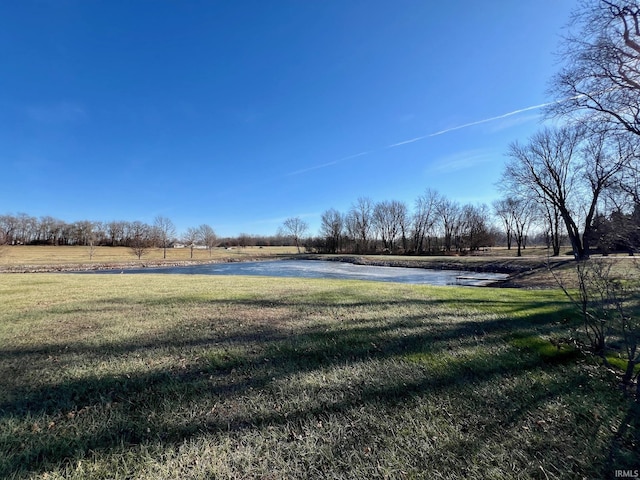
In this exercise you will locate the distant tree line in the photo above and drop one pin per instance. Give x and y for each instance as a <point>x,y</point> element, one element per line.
<point>23,229</point>
<point>435,224</point>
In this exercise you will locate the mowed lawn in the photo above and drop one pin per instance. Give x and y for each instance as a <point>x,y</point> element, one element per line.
<point>157,376</point>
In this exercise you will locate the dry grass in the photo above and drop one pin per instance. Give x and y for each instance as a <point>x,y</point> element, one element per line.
<point>21,255</point>
<point>153,376</point>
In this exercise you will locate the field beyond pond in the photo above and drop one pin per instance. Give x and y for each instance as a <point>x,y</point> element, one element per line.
<point>153,376</point>
<point>31,258</point>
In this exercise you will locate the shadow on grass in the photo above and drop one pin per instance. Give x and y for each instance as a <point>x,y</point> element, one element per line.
<point>60,423</point>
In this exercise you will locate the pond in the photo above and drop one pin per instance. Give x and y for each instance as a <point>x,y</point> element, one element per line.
<point>327,269</point>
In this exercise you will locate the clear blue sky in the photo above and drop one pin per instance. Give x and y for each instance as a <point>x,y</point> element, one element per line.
<point>242,113</point>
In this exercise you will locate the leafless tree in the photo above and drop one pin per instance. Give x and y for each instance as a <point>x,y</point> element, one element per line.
<point>50,230</point>
<point>608,304</point>
<point>165,231</point>
<point>550,215</point>
<point>295,228</point>
<point>140,238</point>
<point>502,209</point>
<point>207,236</point>
<point>245,240</point>
<point>600,80</point>
<point>449,219</point>
<point>331,228</point>
<point>86,234</point>
<point>25,229</point>
<point>474,230</point>
<point>424,219</point>
<point>7,229</point>
<point>116,232</point>
<point>388,218</point>
<point>517,214</point>
<point>523,213</point>
<point>190,238</point>
<point>81,232</point>
<point>359,223</point>
<point>570,171</point>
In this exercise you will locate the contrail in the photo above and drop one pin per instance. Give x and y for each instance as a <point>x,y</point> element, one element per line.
<point>410,141</point>
<point>328,164</point>
<point>491,119</point>
<point>429,135</point>
<point>471,124</point>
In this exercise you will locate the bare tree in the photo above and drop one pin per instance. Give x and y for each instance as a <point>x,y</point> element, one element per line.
<point>551,218</point>
<point>50,230</point>
<point>517,214</point>
<point>388,218</point>
<point>245,240</point>
<point>523,214</point>
<point>190,238</point>
<point>165,231</point>
<point>207,236</point>
<point>474,229</point>
<point>331,228</point>
<point>570,172</point>
<point>116,232</point>
<point>359,223</point>
<point>25,228</point>
<point>600,79</point>
<point>503,211</point>
<point>88,236</point>
<point>140,238</point>
<point>81,232</point>
<point>424,219</point>
<point>7,229</point>
<point>609,309</point>
<point>449,217</point>
<point>295,228</point>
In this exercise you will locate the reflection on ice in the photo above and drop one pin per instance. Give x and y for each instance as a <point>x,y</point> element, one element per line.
<point>320,269</point>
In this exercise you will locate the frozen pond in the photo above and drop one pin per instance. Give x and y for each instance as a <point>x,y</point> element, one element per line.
<point>326,269</point>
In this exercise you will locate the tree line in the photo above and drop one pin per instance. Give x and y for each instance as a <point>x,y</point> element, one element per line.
<point>23,229</point>
<point>434,225</point>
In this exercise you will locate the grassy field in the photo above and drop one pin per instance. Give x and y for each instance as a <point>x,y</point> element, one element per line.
<point>153,376</point>
<point>21,255</point>
<point>48,254</point>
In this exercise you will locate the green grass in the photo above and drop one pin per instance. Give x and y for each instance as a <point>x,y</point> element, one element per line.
<point>126,376</point>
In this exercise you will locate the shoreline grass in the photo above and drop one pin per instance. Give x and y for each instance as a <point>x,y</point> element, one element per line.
<point>127,376</point>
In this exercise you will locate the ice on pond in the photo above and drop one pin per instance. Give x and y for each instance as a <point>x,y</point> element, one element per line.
<point>338,270</point>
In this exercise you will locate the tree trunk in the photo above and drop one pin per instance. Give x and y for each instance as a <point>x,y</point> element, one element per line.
<point>579,253</point>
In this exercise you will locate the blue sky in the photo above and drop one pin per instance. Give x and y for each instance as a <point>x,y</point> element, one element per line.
<point>242,113</point>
